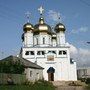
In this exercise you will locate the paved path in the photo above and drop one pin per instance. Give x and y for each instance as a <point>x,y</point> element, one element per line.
<point>62,85</point>
<point>69,88</point>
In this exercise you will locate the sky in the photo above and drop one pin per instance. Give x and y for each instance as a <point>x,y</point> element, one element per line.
<point>74,14</point>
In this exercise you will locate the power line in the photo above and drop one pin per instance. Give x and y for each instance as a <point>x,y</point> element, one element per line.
<point>8,13</point>
<point>3,15</point>
<point>86,3</point>
<point>6,8</point>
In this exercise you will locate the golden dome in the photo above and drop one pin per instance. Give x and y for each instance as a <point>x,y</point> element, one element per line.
<point>59,27</point>
<point>42,27</point>
<point>27,27</point>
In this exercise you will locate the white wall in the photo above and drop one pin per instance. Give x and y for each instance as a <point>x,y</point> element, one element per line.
<point>37,74</point>
<point>40,39</point>
<point>28,39</point>
<point>61,38</point>
<point>64,71</point>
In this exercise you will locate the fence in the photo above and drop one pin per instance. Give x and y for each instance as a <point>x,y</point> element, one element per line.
<point>16,78</point>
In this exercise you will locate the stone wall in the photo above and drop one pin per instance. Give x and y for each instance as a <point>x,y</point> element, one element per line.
<point>15,78</point>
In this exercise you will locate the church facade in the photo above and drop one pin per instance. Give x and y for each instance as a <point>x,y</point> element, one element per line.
<point>47,47</point>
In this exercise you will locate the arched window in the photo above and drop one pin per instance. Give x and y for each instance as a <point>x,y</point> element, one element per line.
<point>64,52</point>
<point>37,40</point>
<point>43,40</point>
<point>27,53</point>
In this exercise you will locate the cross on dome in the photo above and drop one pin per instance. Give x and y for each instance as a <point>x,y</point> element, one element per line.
<point>58,15</point>
<point>59,19</point>
<point>28,15</point>
<point>41,10</point>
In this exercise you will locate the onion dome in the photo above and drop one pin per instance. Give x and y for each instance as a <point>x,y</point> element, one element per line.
<point>27,27</point>
<point>59,27</point>
<point>42,27</point>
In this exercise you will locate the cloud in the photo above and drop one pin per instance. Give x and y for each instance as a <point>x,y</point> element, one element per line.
<point>73,49</point>
<point>84,57</point>
<point>73,52</point>
<point>53,15</point>
<point>81,56</point>
<point>84,52</point>
<point>81,29</point>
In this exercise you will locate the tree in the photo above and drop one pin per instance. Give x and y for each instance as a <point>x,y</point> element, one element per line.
<point>14,67</point>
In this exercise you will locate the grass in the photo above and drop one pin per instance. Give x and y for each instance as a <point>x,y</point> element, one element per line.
<point>36,86</point>
<point>88,87</point>
<point>25,87</point>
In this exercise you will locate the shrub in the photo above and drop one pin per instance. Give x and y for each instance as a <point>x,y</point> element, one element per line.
<point>11,67</point>
<point>82,79</point>
<point>40,85</point>
<point>28,83</point>
<point>87,81</point>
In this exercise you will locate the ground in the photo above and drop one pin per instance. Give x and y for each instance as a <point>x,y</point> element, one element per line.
<point>43,85</point>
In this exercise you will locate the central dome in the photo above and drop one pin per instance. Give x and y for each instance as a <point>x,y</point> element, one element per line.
<point>42,27</point>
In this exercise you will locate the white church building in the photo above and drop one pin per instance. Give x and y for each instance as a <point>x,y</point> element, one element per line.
<point>47,48</point>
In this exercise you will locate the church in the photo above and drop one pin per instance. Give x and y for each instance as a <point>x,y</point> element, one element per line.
<point>46,46</point>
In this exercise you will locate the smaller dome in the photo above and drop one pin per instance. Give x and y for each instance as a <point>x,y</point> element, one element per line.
<point>27,27</point>
<point>59,27</point>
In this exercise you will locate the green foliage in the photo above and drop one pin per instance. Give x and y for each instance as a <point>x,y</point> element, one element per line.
<point>82,79</point>
<point>87,81</point>
<point>43,83</point>
<point>28,83</point>
<point>88,87</point>
<point>38,85</point>
<point>11,67</point>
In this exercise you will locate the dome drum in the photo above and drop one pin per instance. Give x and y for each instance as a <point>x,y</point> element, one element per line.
<point>36,32</point>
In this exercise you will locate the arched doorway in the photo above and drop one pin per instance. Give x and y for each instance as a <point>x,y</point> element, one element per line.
<point>50,72</point>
